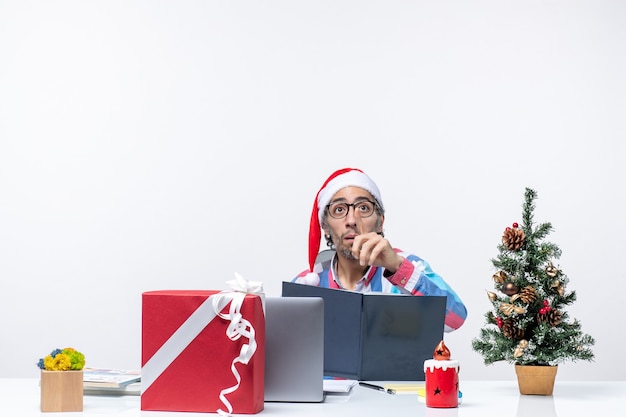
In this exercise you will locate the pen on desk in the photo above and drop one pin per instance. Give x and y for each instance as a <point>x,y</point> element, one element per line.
<point>377,388</point>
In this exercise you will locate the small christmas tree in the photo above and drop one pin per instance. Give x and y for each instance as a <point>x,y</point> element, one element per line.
<point>529,324</point>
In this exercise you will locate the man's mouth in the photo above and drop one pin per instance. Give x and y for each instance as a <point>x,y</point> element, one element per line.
<point>349,237</point>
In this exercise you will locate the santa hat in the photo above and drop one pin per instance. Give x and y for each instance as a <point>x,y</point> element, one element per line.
<point>345,177</point>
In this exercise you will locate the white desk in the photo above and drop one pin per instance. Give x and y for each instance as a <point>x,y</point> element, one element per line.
<point>20,397</point>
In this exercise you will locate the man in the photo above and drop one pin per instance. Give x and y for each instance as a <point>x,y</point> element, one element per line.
<point>349,210</point>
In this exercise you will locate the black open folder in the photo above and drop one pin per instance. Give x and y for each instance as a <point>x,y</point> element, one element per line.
<point>374,336</point>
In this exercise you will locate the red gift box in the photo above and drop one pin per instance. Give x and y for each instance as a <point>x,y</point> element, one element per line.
<point>189,363</point>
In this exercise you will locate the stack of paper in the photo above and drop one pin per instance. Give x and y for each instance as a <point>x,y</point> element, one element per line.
<point>338,385</point>
<point>106,381</point>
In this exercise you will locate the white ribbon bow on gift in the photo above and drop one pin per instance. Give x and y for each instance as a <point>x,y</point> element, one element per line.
<point>198,320</point>
<point>238,327</point>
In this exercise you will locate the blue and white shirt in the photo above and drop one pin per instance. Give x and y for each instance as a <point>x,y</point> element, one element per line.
<point>414,277</point>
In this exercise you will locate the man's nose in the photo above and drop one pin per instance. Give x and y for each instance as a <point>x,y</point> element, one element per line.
<point>352,217</point>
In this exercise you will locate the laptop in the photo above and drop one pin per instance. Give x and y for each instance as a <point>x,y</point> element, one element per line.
<point>294,349</point>
<point>375,336</point>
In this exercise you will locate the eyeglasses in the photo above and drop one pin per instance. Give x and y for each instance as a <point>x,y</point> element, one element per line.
<point>364,208</point>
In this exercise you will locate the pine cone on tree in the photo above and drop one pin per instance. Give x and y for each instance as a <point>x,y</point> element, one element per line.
<point>528,294</point>
<point>513,238</point>
<point>511,330</point>
<point>552,317</point>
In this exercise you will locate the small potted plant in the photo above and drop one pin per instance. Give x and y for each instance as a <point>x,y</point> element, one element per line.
<point>528,325</point>
<point>62,380</point>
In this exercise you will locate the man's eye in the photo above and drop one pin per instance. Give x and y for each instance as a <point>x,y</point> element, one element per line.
<point>364,208</point>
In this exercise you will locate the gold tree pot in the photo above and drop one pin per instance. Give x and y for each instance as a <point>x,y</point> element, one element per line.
<point>535,380</point>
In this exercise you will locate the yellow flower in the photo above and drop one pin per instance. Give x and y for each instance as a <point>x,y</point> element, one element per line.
<point>60,362</point>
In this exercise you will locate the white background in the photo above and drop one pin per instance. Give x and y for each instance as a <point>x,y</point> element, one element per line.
<point>150,145</point>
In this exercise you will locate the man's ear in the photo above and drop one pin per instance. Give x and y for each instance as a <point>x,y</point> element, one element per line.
<point>381,223</point>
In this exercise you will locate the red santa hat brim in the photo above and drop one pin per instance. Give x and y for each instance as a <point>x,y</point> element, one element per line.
<point>342,178</point>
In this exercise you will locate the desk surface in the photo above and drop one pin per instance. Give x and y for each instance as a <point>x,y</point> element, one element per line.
<point>20,397</point>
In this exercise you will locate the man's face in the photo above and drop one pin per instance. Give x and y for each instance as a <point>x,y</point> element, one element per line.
<point>343,231</point>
